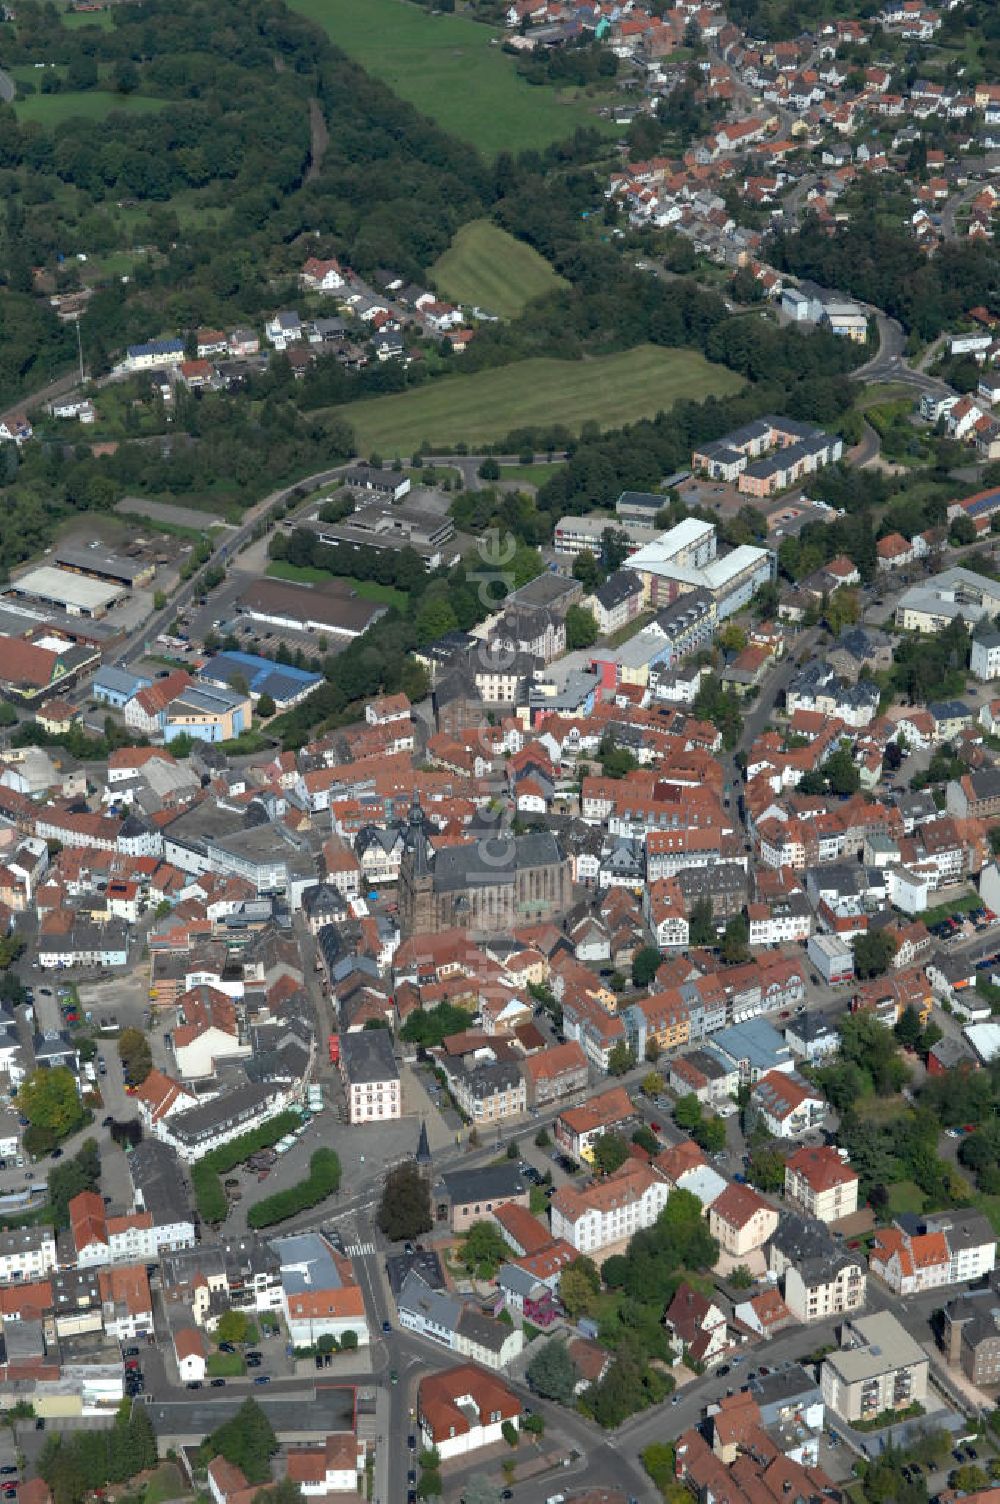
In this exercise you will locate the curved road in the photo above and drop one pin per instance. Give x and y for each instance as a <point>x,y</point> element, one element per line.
<point>236,540</point>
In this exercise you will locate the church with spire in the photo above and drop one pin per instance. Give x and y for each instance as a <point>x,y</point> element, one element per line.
<point>490,884</point>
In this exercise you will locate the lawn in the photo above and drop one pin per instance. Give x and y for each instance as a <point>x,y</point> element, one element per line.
<point>487,267</point>
<point>453,70</point>
<point>74,19</point>
<point>881,1109</point>
<point>224,1365</point>
<point>165,1483</point>
<point>481,409</point>
<point>305,574</point>
<point>53,109</point>
<point>531,475</point>
<point>905,1196</point>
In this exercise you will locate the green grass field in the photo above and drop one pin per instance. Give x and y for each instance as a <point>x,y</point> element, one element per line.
<point>453,70</point>
<point>53,109</point>
<point>225,1365</point>
<point>305,574</point>
<point>905,1196</point>
<point>73,20</point>
<point>481,409</point>
<point>531,475</point>
<point>486,266</point>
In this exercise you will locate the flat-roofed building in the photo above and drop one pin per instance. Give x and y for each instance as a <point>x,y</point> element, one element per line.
<point>879,1368</point>
<point>76,594</point>
<point>332,608</point>
<point>685,558</point>
<point>416,522</point>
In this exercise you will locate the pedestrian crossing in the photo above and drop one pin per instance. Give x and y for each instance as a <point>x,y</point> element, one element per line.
<point>360,1250</point>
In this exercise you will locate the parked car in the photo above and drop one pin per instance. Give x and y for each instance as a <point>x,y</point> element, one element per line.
<point>218,1383</point>
<point>262,1378</point>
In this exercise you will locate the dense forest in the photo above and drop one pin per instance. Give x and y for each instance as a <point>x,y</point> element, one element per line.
<point>222,171</point>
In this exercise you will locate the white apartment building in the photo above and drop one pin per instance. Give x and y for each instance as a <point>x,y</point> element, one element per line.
<point>879,1367</point>
<point>26,1253</point>
<point>371,1077</point>
<point>822,1183</point>
<point>609,1211</point>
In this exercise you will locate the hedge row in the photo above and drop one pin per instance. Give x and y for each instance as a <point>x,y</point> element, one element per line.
<point>322,1181</point>
<point>209,1194</point>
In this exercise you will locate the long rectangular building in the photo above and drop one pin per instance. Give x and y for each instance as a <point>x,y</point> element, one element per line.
<point>332,608</point>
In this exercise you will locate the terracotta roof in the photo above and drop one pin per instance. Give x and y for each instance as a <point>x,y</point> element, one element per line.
<point>739,1204</point>
<point>25,664</point>
<point>612,1106</point>
<point>189,1343</point>
<point>439,1397</point>
<point>821,1167</point>
<point>554,1062</point>
<point>524,1229</point>
<point>227,1477</point>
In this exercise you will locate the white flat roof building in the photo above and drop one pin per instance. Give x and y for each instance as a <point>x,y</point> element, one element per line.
<point>77,594</point>
<point>685,558</point>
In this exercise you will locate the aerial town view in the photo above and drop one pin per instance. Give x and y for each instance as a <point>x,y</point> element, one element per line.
<point>500,752</point>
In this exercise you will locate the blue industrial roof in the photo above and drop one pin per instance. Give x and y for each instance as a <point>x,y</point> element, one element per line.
<point>279,680</point>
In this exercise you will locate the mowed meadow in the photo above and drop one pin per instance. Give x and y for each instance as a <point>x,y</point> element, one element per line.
<point>480,409</point>
<point>454,71</point>
<point>486,267</point>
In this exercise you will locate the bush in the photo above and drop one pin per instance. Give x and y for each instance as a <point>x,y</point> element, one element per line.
<point>509,1433</point>
<point>322,1181</point>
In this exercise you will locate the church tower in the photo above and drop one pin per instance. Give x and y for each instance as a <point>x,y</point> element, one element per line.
<point>416,878</point>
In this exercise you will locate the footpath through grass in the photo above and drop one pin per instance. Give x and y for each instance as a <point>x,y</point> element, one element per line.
<point>454,71</point>
<point>481,409</point>
<point>487,267</point>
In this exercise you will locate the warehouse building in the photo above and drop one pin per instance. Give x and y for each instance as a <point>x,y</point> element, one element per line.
<point>332,608</point>
<point>97,565</point>
<point>76,594</point>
